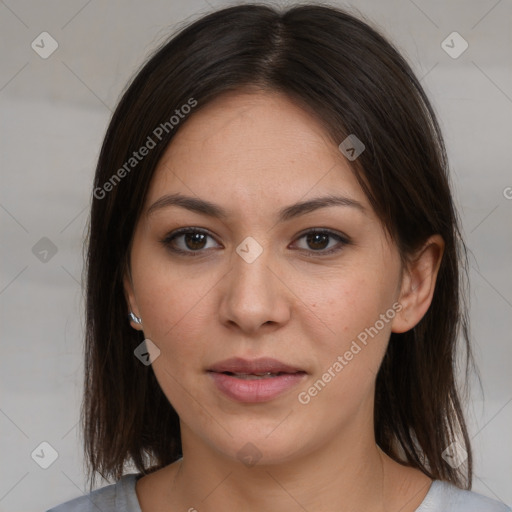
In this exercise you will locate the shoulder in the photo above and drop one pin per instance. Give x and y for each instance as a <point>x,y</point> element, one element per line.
<point>444,496</point>
<point>117,497</point>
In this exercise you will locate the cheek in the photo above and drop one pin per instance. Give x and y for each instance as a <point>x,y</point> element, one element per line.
<point>357,310</point>
<point>175,309</point>
<point>346,305</point>
<point>169,297</point>
<point>348,360</point>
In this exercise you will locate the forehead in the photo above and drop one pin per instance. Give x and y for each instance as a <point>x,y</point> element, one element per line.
<point>253,145</point>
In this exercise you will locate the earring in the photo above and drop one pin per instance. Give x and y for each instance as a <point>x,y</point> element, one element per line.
<point>135,318</point>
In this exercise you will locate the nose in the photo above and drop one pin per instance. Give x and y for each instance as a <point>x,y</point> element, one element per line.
<point>254,294</point>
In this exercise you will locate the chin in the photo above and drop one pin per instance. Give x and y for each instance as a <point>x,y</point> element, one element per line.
<point>261,449</point>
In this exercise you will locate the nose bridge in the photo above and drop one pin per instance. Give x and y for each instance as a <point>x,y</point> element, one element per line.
<point>251,274</point>
<point>252,296</point>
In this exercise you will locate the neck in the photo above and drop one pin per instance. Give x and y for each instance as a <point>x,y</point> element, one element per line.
<point>349,476</point>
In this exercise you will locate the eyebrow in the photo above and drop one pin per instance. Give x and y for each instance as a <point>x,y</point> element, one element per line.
<point>213,210</point>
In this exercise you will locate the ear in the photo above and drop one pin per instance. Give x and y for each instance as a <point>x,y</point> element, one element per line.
<point>130,299</point>
<point>418,284</point>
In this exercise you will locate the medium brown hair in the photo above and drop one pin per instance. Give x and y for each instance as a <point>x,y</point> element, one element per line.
<point>354,81</point>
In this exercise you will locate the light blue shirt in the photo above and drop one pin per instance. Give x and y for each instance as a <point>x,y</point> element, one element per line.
<point>121,497</point>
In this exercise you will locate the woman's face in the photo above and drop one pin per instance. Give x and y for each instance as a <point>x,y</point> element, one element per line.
<point>254,284</point>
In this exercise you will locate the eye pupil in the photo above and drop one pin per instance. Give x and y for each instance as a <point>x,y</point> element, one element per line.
<point>195,240</point>
<point>314,238</point>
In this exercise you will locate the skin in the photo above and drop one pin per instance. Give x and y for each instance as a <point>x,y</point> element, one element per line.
<point>254,153</point>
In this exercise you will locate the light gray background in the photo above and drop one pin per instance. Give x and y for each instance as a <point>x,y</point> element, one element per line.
<point>54,113</point>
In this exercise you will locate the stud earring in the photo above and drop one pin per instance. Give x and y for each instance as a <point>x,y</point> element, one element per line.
<point>135,318</point>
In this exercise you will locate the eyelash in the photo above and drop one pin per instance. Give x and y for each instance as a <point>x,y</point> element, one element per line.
<point>342,241</point>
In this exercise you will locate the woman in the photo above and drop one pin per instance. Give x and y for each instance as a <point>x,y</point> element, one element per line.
<point>275,279</point>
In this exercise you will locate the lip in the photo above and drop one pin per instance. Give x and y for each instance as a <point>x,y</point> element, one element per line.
<point>262,389</point>
<point>260,365</point>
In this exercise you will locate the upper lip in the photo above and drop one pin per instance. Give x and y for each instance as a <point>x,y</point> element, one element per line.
<point>261,365</point>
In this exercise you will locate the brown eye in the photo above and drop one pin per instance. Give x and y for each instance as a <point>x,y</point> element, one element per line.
<point>194,241</point>
<point>323,242</point>
<point>189,241</point>
<point>317,240</point>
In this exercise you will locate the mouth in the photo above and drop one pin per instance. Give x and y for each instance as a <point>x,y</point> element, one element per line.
<point>264,366</point>
<point>257,380</point>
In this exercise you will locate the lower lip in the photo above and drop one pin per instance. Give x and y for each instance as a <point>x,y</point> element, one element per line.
<point>255,390</point>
